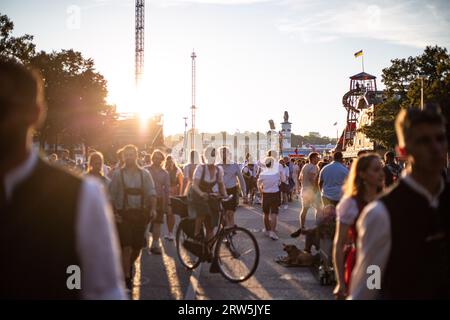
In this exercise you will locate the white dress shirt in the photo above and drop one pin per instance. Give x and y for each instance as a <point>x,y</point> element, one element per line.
<point>96,239</point>
<point>374,240</point>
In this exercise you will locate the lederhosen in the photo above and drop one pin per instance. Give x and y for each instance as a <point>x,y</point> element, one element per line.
<point>134,215</point>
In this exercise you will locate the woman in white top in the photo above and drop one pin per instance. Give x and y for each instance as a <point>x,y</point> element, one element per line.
<point>208,178</point>
<point>365,181</point>
<point>268,185</point>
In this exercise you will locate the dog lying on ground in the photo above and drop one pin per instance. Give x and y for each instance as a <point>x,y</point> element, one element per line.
<point>297,257</point>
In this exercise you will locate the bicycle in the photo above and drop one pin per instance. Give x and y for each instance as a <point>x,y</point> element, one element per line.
<point>234,249</point>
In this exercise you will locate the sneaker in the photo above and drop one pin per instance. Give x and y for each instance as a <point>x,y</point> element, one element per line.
<point>297,233</point>
<point>156,250</point>
<point>170,237</point>
<point>273,235</point>
<point>285,207</point>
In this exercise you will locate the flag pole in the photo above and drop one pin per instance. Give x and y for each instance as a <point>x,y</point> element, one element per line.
<point>362,61</point>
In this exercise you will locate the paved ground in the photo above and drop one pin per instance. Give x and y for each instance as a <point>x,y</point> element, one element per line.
<point>163,277</point>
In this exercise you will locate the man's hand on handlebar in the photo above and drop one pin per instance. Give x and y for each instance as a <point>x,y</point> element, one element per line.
<point>204,195</point>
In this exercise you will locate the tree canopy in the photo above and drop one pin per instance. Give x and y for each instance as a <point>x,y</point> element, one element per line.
<point>77,111</point>
<point>403,90</point>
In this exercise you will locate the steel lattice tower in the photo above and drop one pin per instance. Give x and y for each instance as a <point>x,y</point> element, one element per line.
<point>140,30</point>
<point>194,108</point>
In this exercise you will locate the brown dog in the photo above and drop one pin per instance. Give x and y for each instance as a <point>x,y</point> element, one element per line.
<point>299,257</point>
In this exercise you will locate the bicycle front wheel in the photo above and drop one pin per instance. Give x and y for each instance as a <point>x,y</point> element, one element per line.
<point>237,254</point>
<point>187,258</point>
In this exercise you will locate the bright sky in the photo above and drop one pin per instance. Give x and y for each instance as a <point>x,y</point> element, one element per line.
<point>256,58</point>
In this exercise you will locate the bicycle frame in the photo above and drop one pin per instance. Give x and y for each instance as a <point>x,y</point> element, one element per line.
<point>220,226</point>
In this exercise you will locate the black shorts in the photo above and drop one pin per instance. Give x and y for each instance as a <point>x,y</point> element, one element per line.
<point>233,203</point>
<point>284,187</point>
<point>271,202</point>
<point>250,183</point>
<point>132,234</point>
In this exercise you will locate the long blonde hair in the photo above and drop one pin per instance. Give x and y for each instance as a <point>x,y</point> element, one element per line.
<point>354,186</point>
<point>93,155</point>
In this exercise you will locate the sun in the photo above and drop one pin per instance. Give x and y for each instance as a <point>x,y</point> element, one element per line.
<point>133,100</point>
<point>144,103</point>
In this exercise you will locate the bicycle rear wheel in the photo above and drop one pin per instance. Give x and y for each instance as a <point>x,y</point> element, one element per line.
<point>187,258</point>
<point>237,254</point>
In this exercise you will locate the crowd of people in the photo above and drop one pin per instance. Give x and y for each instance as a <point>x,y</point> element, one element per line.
<point>392,216</point>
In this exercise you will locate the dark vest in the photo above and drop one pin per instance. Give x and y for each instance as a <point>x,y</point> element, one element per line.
<point>37,236</point>
<point>418,264</point>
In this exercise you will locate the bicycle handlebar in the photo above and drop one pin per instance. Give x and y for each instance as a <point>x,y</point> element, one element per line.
<point>221,197</point>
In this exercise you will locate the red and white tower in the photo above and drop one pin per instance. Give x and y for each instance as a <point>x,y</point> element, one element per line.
<point>193,108</point>
<point>140,31</point>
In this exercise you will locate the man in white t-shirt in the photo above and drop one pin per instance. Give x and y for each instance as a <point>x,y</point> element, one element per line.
<point>308,178</point>
<point>268,183</point>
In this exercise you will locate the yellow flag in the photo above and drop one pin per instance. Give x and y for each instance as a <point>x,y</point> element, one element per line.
<point>359,53</point>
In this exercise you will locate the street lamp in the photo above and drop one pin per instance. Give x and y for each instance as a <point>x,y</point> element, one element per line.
<point>337,133</point>
<point>421,91</point>
<point>185,138</point>
<point>280,136</point>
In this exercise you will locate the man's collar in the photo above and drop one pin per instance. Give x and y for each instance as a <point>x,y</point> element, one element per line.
<point>417,187</point>
<point>15,176</point>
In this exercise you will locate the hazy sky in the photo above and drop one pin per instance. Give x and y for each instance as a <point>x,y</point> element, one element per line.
<point>256,58</point>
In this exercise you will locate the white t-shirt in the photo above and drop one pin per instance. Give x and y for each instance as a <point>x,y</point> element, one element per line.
<point>286,174</point>
<point>207,178</point>
<point>188,170</point>
<point>347,211</point>
<point>269,181</point>
<point>307,170</point>
<point>296,172</point>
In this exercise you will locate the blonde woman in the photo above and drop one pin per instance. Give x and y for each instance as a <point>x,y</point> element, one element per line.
<point>365,181</point>
<point>175,174</point>
<point>95,167</point>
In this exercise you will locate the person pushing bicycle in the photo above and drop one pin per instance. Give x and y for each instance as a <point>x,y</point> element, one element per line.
<point>208,179</point>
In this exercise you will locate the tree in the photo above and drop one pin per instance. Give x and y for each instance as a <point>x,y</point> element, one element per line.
<point>20,48</point>
<point>298,140</point>
<point>77,111</point>
<point>76,99</point>
<point>382,131</point>
<point>403,90</point>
